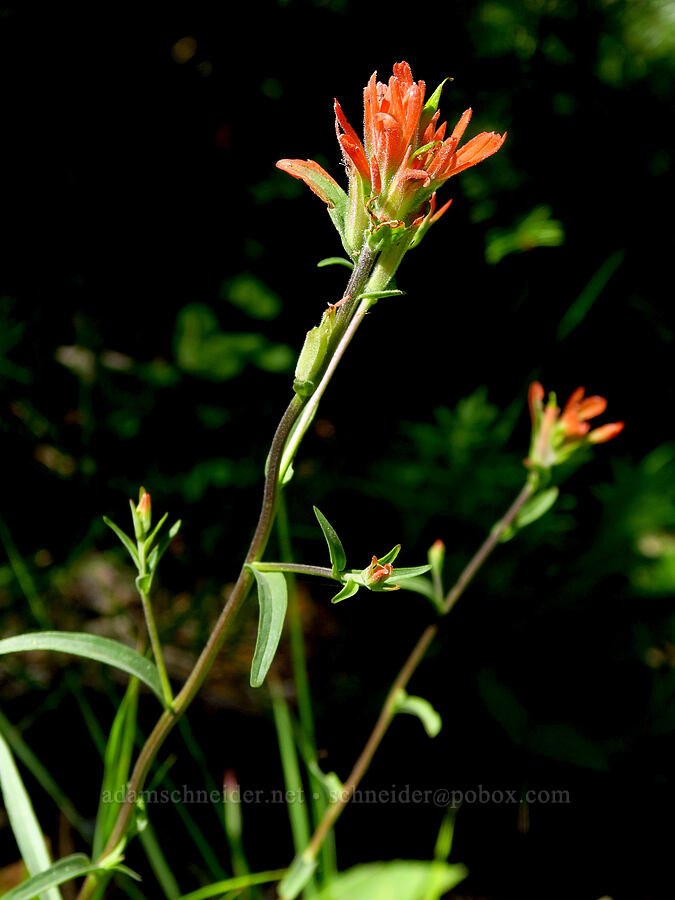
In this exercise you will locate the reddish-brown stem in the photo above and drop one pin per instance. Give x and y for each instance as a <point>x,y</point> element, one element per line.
<point>388,710</point>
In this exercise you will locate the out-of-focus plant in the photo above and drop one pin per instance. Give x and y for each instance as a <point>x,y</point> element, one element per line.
<point>391,203</point>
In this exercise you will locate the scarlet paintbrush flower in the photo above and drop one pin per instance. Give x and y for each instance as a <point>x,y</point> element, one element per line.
<point>404,158</point>
<point>556,435</point>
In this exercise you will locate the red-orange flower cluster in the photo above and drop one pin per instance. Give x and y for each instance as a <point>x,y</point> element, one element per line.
<point>405,155</point>
<point>403,147</point>
<point>556,435</point>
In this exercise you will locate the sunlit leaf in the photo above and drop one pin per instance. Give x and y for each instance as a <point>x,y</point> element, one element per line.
<point>273,599</point>
<point>418,706</point>
<point>337,554</point>
<point>24,823</point>
<point>90,646</point>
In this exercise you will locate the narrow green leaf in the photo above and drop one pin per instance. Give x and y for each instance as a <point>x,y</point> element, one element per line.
<point>116,765</point>
<point>153,534</point>
<point>380,295</point>
<point>537,507</point>
<point>90,646</point>
<point>64,870</point>
<point>237,883</point>
<point>273,599</point>
<point>581,306</point>
<point>299,873</point>
<point>534,509</point>
<point>400,574</point>
<point>389,557</point>
<point>418,706</point>
<point>350,588</point>
<point>158,552</point>
<point>418,586</point>
<point>24,823</point>
<point>337,554</point>
<point>334,261</point>
<point>160,866</point>
<point>126,540</point>
<point>24,753</point>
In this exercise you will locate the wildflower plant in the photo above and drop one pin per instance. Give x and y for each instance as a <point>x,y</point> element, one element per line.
<point>394,174</point>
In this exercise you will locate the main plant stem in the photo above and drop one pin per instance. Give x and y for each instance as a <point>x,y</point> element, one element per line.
<point>388,710</point>
<point>348,318</point>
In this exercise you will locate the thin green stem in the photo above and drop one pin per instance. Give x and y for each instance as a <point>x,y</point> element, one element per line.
<point>388,710</point>
<point>156,648</point>
<point>345,329</point>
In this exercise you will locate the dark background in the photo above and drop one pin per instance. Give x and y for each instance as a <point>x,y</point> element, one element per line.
<point>158,278</point>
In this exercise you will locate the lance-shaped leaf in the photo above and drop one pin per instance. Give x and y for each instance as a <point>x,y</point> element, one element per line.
<point>418,706</point>
<point>404,572</point>
<point>337,554</point>
<point>389,557</point>
<point>158,552</point>
<point>350,588</point>
<point>534,509</point>
<point>90,646</point>
<point>273,599</point>
<point>334,261</point>
<point>379,295</point>
<point>126,540</point>
<point>23,821</point>
<point>65,869</point>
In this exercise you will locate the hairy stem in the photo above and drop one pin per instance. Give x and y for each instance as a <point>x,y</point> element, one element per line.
<point>388,710</point>
<point>348,323</point>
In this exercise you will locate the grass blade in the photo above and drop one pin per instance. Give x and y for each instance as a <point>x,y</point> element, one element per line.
<point>24,823</point>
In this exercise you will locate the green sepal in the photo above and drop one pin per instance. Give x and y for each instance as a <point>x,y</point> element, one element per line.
<point>273,600</point>
<point>334,261</point>
<point>349,589</point>
<point>431,106</point>
<point>418,706</point>
<point>126,540</point>
<point>338,557</point>
<point>389,557</point>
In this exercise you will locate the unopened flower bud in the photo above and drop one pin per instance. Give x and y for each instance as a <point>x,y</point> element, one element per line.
<point>375,576</point>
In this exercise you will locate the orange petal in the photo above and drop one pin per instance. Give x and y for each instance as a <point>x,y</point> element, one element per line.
<point>475,151</point>
<point>441,211</point>
<point>460,127</point>
<point>356,153</point>
<point>591,407</point>
<point>535,400</point>
<point>605,432</point>
<point>574,400</point>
